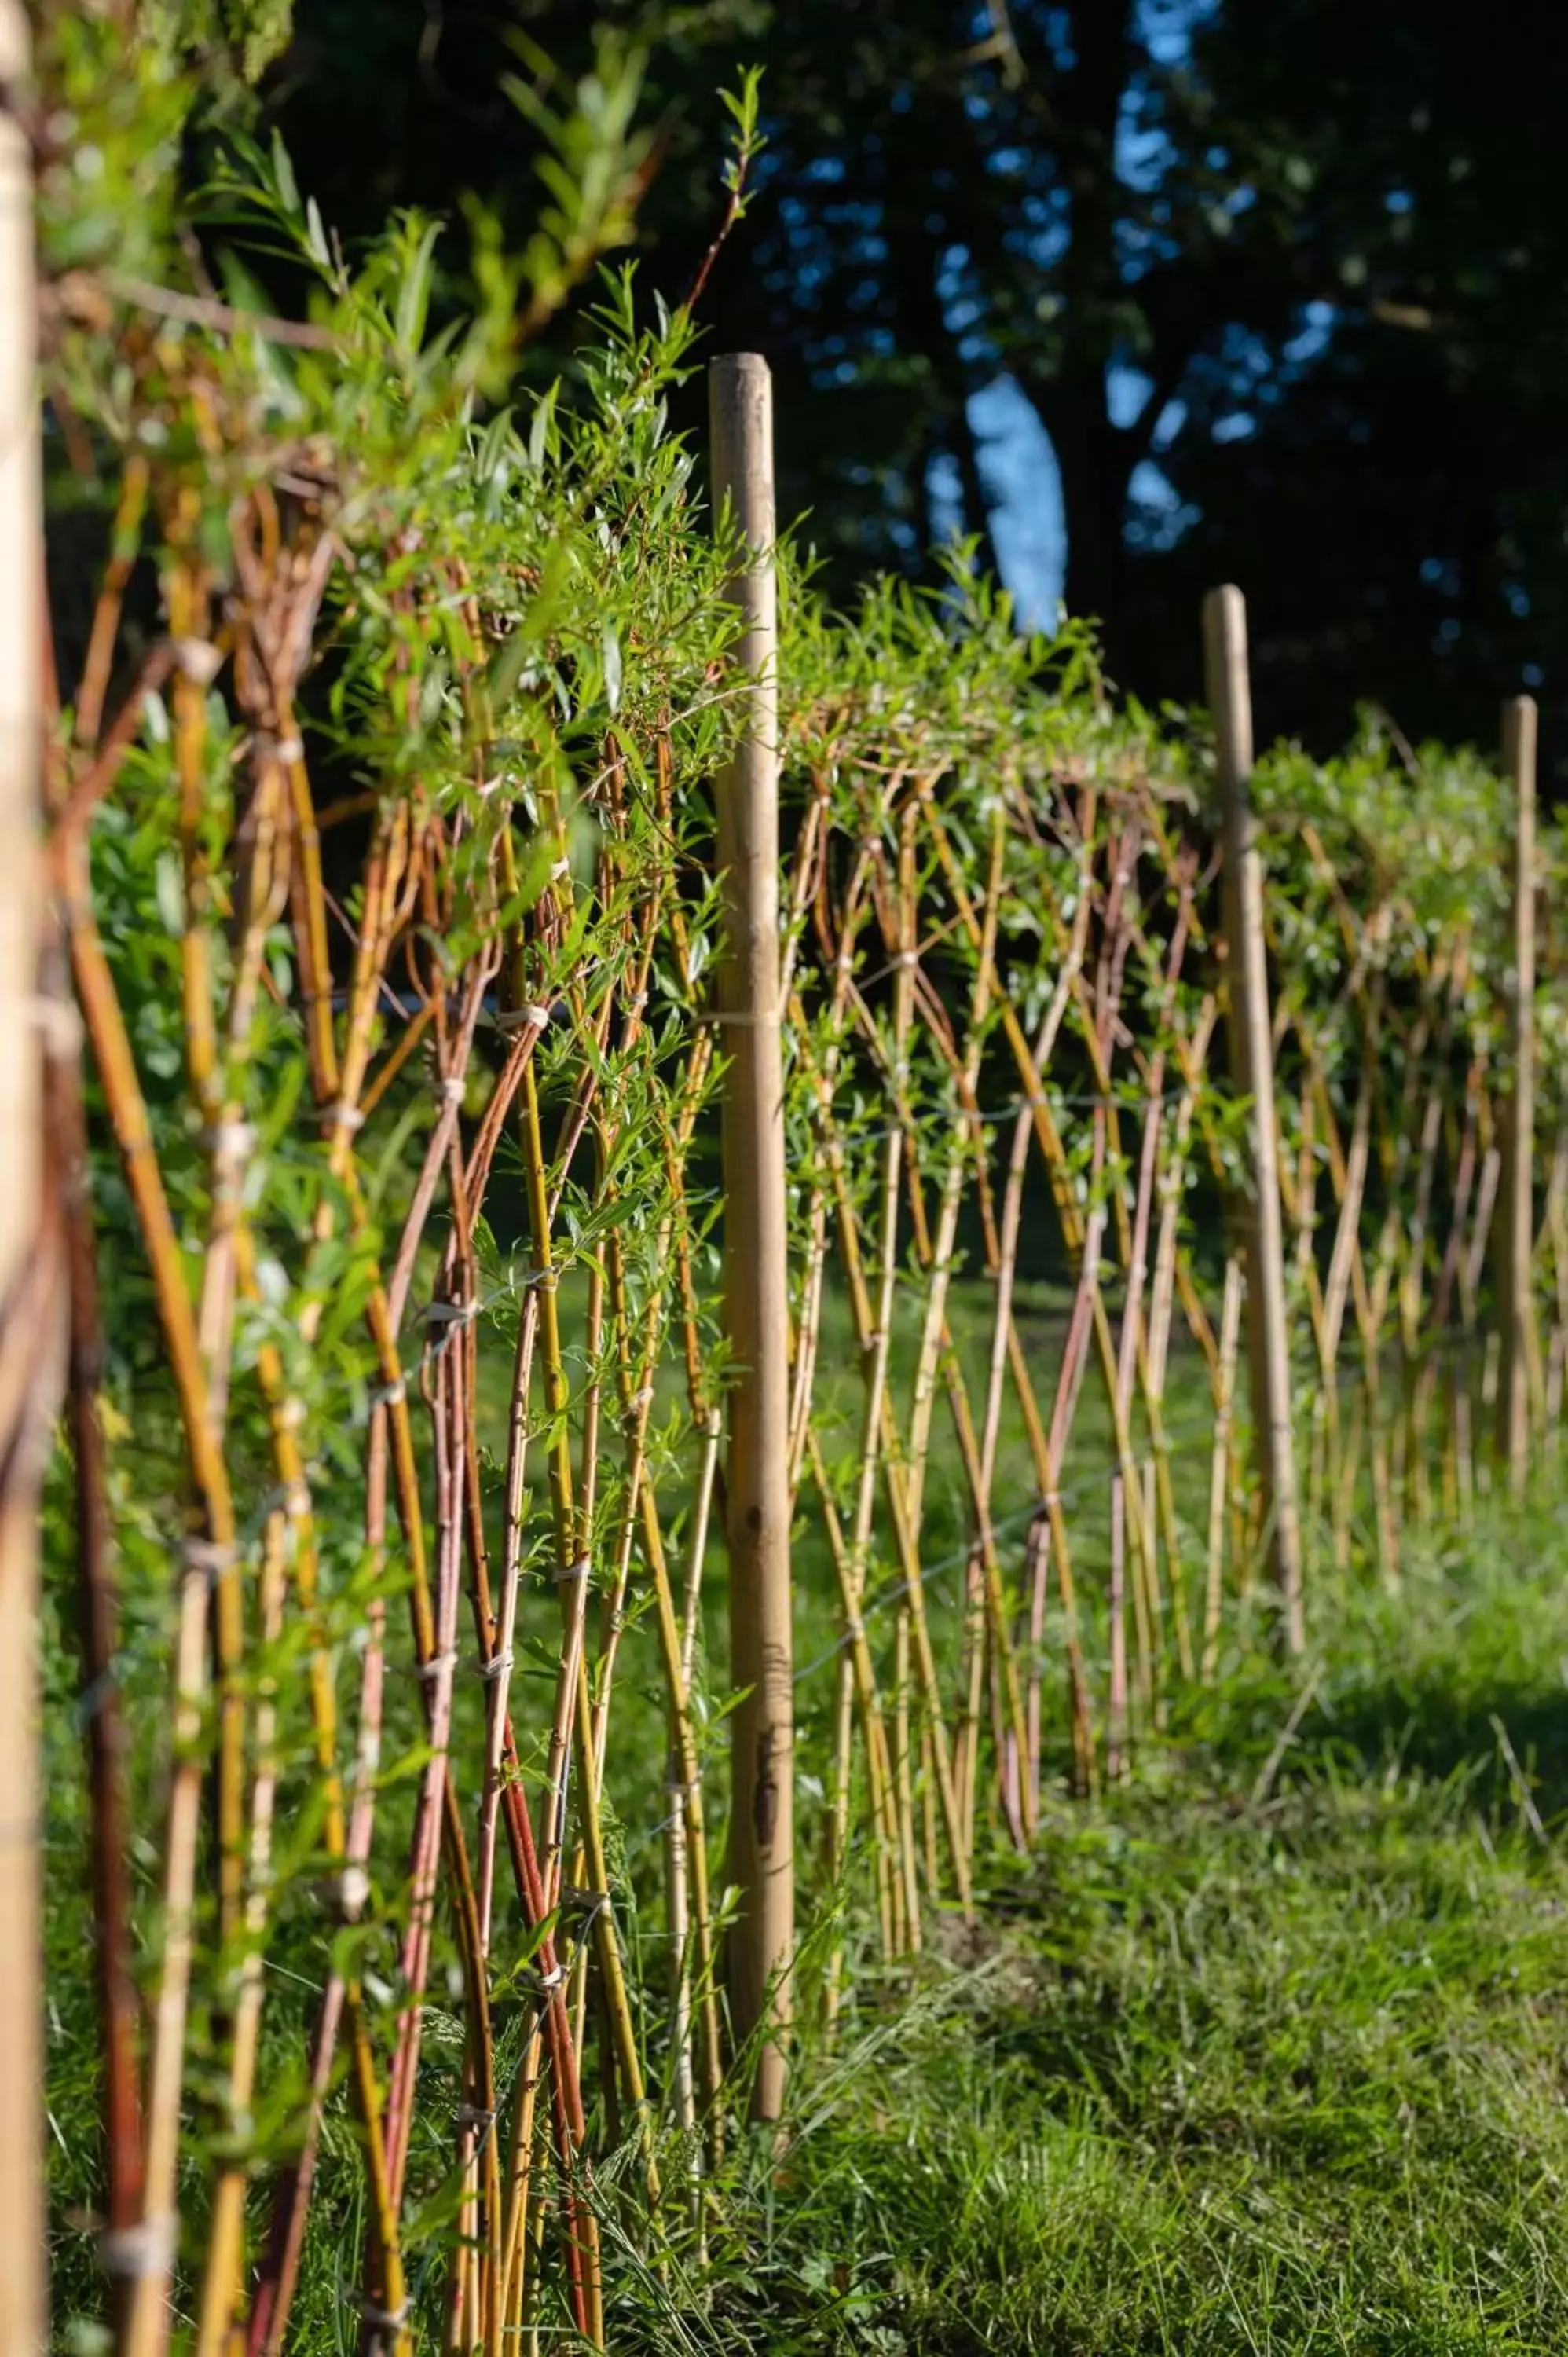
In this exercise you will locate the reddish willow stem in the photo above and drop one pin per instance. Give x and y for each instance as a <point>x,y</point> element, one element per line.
<point>211,1559</point>
<point>456,1306</point>
<point>273,2295</point>
<point>552,2031</point>
<point>571,1733</point>
<point>124,541</point>
<point>107,1748</point>
<point>261,886</point>
<point>98,1598</point>
<point>382,914</point>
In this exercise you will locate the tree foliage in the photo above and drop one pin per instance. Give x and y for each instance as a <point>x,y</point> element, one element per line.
<point>1282,286</point>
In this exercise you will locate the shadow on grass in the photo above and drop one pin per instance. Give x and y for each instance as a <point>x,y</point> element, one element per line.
<point>1510,1744</point>
<point>1460,1677</point>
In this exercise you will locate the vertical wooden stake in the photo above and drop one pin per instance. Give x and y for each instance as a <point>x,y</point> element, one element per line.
<point>1253,1069</point>
<point>762,1866</point>
<point>1516,1228</point>
<point>24,1341</point>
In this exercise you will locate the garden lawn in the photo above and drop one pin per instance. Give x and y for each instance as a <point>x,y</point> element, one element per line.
<point>1263,2053</point>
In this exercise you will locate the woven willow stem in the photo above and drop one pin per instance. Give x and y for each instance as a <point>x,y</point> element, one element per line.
<point>106,1730</point>
<point>220,2285</point>
<point>274,2291</point>
<point>1116,1704</point>
<point>123,548</point>
<point>146,2320</point>
<point>571,1731</point>
<point>696,1548</point>
<point>877,1346</point>
<point>551,2034</point>
<point>260,893</point>
<point>691,1903</point>
<point>1229,1338</point>
<point>391,877</point>
<point>499,1688</point>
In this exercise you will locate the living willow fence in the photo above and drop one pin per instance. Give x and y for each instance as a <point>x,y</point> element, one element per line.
<point>407,1933</point>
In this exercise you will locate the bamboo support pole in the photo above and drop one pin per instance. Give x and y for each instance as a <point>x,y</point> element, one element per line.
<point>1252,1048</point>
<point>1516,1226</point>
<point>756,1485</point>
<point>23,2290</point>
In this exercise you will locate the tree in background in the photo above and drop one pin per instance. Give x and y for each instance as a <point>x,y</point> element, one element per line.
<point>1395,495</point>
<point>1281,284</point>
<point>952,194</point>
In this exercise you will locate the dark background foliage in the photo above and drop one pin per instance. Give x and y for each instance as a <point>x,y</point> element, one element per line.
<point>1282,281</point>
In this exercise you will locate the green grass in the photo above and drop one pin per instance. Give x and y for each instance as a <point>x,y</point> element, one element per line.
<point>1265,2054</point>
